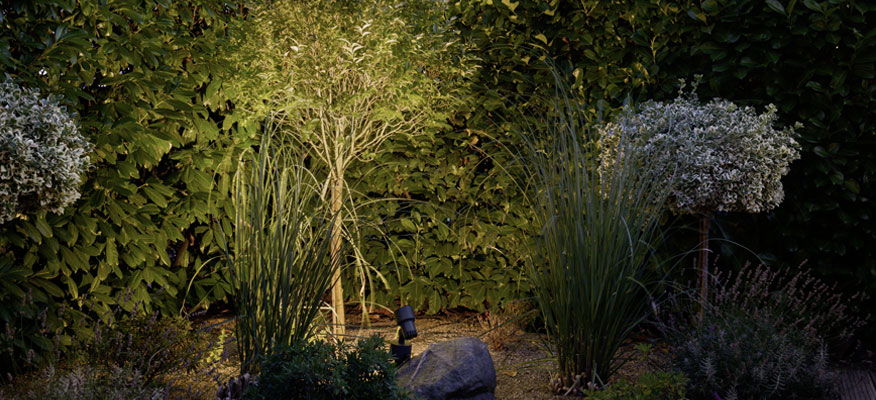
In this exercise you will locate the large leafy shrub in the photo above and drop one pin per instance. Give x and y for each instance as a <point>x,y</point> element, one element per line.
<point>325,371</point>
<point>42,154</point>
<point>763,334</point>
<point>139,77</point>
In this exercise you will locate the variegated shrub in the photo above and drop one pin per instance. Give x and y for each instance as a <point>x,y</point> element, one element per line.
<point>723,157</point>
<point>42,153</point>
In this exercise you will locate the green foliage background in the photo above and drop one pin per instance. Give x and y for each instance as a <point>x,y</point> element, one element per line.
<point>143,78</point>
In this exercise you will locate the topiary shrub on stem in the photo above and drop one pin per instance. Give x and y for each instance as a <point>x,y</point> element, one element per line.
<point>42,153</point>
<point>725,158</point>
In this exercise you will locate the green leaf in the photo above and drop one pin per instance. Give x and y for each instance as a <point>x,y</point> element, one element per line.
<point>112,254</point>
<point>776,6</point>
<point>697,14</point>
<point>153,195</point>
<point>812,5</point>
<point>31,231</point>
<point>853,186</point>
<point>408,224</point>
<point>72,288</point>
<point>41,225</point>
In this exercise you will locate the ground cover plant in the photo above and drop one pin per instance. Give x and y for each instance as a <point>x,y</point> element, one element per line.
<point>324,370</point>
<point>649,386</point>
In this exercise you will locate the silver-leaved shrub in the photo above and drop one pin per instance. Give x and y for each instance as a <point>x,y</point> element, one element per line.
<point>720,156</point>
<point>42,154</point>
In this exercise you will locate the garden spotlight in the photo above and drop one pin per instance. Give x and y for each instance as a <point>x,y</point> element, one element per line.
<point>406,330</point>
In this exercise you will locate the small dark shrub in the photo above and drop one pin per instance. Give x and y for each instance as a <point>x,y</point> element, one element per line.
<point>28,333</point>
<point>502,325</point>
<point>326,371</point>
<point>649,386</point>
<point>152,345</point>
<point>764,334</point>
<point>88,383</point>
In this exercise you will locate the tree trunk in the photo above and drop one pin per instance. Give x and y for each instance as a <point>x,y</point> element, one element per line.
<point>703,265</point>
<point>339,318</point>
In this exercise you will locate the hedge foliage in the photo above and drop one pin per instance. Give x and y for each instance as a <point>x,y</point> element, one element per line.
<point>139,76</point>
<point>816,61</point>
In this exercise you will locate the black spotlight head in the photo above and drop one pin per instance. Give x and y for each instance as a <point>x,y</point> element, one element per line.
<point>405,318</point>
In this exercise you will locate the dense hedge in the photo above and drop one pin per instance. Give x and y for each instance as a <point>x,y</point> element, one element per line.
<point>138,74</point>
<point>814,60</point>
<point>457,236</point>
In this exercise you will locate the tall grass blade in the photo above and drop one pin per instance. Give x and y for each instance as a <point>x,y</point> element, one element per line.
<point>279,256</point>
<point>591,267</point>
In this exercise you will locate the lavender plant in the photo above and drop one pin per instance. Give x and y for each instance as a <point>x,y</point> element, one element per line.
<point>130,355</point>
<point>42,153</point>
<point>88,383</point>
<point>148,344</point>
<point>763,334</point>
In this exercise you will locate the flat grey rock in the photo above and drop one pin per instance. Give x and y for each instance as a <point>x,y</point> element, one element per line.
<point>459,369</point>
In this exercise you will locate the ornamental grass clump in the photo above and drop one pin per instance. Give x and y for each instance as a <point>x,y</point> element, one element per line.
<point>590,270</point>
<point>725,158</point>
<point>279,257</point>
<point>763,334</point>
<point>42,154</point>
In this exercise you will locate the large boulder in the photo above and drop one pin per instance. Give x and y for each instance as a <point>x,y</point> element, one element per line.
<point>459,369</point>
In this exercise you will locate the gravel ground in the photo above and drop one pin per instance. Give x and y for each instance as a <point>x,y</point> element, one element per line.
<point>522,365</point>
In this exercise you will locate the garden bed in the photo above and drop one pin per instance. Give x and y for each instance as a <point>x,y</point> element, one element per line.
<point>522,365</point>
